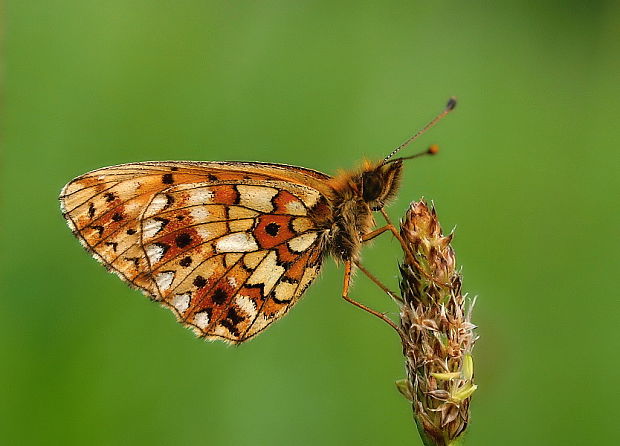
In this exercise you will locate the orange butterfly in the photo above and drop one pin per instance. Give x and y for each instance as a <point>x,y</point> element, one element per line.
<point>229,247</point>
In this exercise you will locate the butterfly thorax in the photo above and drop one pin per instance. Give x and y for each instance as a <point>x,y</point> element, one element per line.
<point>348,215</point>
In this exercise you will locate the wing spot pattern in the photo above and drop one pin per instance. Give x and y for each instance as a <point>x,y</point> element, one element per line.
<point>302,242</point>
<point>164,280</point>
<point>200,282</point>
<point>181,302</point>
<point>236,242</point>
<point>156,251</point>
<point>202,319</point>
<point>219,296</point>
<point>250,295</point>
<point>183,239</point>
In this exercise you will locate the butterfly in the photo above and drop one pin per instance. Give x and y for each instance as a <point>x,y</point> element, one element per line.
<point>229,247</point>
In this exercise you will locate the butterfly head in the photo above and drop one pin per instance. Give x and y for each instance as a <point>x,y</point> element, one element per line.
<point>378,184</point>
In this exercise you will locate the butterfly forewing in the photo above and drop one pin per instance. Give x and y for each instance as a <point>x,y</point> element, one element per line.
<point>228,247</point>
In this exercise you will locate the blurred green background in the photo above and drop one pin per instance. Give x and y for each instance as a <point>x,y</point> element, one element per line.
<point>528,171</point>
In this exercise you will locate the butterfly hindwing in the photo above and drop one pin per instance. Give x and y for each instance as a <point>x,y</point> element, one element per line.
<point>227,251</point>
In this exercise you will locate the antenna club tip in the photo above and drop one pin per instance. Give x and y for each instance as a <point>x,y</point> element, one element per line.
<point>451,104</point>
<point>433,149</point>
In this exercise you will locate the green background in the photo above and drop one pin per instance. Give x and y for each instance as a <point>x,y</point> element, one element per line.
<point>528,171</point>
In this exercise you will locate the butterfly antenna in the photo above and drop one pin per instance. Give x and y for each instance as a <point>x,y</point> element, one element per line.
<point>449,107</point>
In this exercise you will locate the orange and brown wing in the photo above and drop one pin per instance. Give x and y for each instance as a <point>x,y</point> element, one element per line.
<point>227,248</point>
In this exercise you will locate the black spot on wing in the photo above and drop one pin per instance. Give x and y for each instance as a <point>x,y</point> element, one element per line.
<point>231,321</point>
<point>114,245</point>
<point>169,201</point>
<point>200,282</point>
<point>219,296</point>
<point>163,221</point>
<point>135,260</point>
<point>182,240</point>
<point>272,229</point>
<point>237,198</point>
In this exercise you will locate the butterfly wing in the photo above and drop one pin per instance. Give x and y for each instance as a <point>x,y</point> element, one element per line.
<point>228,247</point>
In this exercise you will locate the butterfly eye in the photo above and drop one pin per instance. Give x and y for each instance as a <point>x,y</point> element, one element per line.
<point>372,186</point>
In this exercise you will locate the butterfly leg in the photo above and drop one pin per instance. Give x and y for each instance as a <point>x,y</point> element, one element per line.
<point>390,227</point>
<point>345,296</point>
<point>406,249</point>
<point>377,282</point>
<point>375,233</point>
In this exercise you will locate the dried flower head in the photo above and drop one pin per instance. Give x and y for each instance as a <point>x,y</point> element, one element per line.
<point>438,335</point>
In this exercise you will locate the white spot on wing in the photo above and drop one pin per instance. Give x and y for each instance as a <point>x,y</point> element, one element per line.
<point>181,302</point>
<point>159,202</point>
<point>201,195</point>
<point>267,273</point>
<point>256,197</point>
<point>302,242</point>
<point>236,242</point>
<point>154,253</point>
<point>164,280</point>
<point>152,227</point>
<point>201,319</point>
<point>246,305</point>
